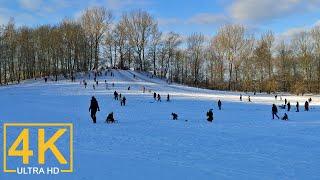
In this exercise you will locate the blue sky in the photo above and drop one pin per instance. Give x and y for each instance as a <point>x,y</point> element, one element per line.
<point>284,17</point>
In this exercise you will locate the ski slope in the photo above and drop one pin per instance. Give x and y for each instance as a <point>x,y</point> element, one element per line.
<point>243,142</point>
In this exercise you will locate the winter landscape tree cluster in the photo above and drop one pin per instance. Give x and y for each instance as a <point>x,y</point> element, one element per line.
<point>233,59</point>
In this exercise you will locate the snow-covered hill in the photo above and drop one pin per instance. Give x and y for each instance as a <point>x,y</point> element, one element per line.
<point>243,142</point>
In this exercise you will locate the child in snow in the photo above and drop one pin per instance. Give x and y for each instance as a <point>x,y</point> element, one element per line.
<point>110,118</point>
<point>210,115</point>
<point>285,117</point>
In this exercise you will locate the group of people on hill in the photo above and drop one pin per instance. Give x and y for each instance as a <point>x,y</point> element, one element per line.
<point>94,107</point>
<point>118,96</point>
<point>287,104</point>
<point>157,97</point>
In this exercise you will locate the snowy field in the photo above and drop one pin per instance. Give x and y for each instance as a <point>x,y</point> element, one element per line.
<point>243,142</point>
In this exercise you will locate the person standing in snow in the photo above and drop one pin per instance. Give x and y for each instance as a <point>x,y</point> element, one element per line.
<point>159,97</point>
<point>124,99</point>
<point>94,107</point>
<point>274,111</point>
<point>249,99</point>
<point>168,97</point>
<point>306,106</point>
<point>297,106</point>
<point>289,106</point>
<point>285,101</point>
<point>154,95</point>
<point>240,97</point>
<point>115,94</point>
<point>219,104</point>
<point>210,115</point>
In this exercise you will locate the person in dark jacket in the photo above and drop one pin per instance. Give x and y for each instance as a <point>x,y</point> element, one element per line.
<point>285,101</point>
<point>123,101</point>
<point>174,116</point>
<point>306,106</point>
<point>94,107</point>
<point>240,97</point>
<point>289,106</point>
<point>210,115</point>
<point>154,96</point>
<point>168,97</point>
<point>115,94</point>
<point>274,111</point>
<point>285,117</point>
<point>159,97</point>
<point>110,118</point>
<point>219,104</point>
<point>297,106</point>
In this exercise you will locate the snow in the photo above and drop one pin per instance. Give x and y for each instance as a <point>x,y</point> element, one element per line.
<point>243,142</point>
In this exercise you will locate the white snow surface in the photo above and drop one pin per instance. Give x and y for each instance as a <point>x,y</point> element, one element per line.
<point>243,142</point>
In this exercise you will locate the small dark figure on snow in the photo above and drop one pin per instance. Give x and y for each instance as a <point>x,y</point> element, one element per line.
<point>219,104</point>
<point>306,106</point>
<point>129,88</point>
<point>174,116</point>
<point>275,97</point>
<point>94,87</point>
<point>297,106</point>
<point>110,118</point>
<point>285,101</point>
<point>168,97</point>
<point>274,111</point>
<point>309,100</point>
<point>210,115</point>
<point>45,79</point>
<point>112,84</point>
<point>154,96</point>
<point>120,95</point>
<point>97,83</point>
<point>240,97</point>
<point>115,94</point>
<point>134,76</point>
<point>249,99</point>
<point>159,97</point>
<point>123,101</point>
<point>85,84</point>
<point>94,107</point>
<point>285,117</point>
<point>289,106</point>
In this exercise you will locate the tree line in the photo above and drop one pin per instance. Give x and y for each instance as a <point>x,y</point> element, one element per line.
<point>233,59</point>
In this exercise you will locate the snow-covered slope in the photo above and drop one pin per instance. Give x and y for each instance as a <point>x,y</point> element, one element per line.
<point>243,142</point>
